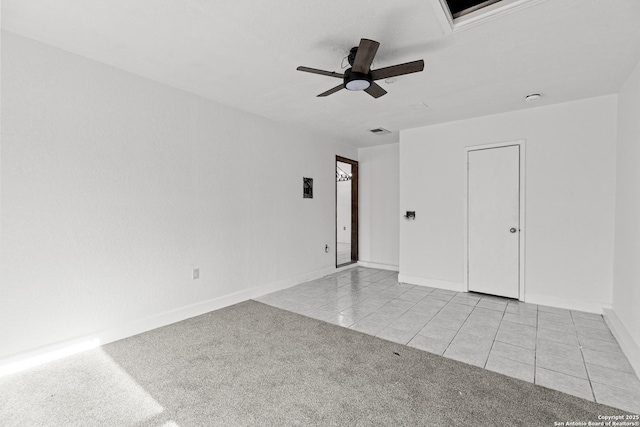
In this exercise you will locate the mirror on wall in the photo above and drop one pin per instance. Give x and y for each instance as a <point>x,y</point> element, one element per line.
<point>343,213</point>
<point>346,211</point>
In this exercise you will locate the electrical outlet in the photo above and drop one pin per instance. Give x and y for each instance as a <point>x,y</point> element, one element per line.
<point>195,273</point>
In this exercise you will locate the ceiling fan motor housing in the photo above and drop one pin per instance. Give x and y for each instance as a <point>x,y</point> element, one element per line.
<point>352,55</point>
<point>357,81</point>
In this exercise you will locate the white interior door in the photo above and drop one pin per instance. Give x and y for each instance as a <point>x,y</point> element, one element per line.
<point>494,221</point>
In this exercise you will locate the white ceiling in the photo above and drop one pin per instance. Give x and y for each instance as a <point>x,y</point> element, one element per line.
<point>244,54</point>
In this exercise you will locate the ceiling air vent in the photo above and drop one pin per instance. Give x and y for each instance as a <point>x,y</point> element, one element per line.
<point>459,8</point>
<point>379,131</point>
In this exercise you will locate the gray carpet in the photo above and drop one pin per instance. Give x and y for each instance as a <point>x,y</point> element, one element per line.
<point>252,364</point>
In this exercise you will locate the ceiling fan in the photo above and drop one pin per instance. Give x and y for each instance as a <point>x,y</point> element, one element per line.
<point>360,76</point>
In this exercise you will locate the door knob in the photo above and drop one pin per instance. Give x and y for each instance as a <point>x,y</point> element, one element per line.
<point>513,230</point>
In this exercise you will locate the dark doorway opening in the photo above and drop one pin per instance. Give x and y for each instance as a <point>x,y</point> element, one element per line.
<point>346,211</point>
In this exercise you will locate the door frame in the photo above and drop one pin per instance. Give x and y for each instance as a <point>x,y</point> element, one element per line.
<point>354,210</point>
<point>522,234</point>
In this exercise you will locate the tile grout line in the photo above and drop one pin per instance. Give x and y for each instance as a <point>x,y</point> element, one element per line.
<point>434,315</point>
<point>431,318</point>
<point>465,320</point>
<point>593,393</point>
<point>366,298</point>
<point>386,325</point>
<point>439,310</point>
<point>493,341</point>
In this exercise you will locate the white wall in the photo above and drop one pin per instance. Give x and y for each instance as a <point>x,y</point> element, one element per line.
<point>114,187</point>
<point>379,222</point>
<point>570,182</point>
<point>626,285</point>
<point>343,211</point>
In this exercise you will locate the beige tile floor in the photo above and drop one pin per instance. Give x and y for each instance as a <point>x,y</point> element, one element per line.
<point>570,351</point>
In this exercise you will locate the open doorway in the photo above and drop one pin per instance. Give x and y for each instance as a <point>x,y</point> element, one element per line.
<point>346,211</point>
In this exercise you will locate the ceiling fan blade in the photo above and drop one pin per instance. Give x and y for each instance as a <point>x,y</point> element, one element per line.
<point>364,57</point>
<point>398,70</point>
<point>321,72</point>
<point>334,90</point>
<point>375,90</point>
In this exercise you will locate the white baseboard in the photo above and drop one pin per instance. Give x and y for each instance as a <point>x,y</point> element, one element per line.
<point>378,265</point>
<point>46,353</point>
<point>573,303</point>
<point>630,348</point>
<point>568,303</point>
<point>433,283</point>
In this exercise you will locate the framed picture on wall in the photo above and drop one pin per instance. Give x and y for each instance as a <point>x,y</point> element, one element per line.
<point>307,188</point>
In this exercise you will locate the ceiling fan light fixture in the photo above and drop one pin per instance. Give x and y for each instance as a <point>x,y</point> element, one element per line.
<point>356,81</point>
<point>358,85</point>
